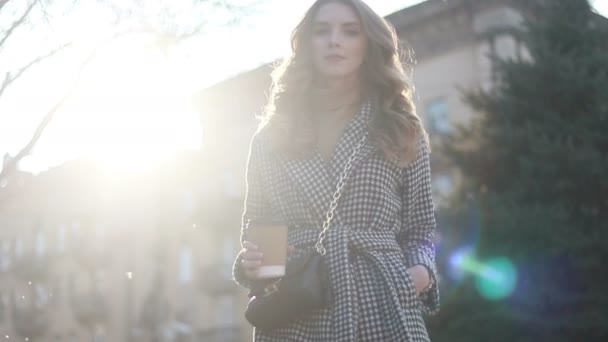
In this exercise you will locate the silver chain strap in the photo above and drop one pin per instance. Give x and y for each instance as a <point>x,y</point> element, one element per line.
<point>334,202</point>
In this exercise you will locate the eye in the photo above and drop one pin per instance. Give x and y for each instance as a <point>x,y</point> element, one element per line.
<point>352,32</point>
<point>319,31</point>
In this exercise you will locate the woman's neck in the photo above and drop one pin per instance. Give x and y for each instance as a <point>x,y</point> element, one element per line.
<point>337,98</point>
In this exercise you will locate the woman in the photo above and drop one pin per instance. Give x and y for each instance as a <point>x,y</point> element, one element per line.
<point>344,80</point>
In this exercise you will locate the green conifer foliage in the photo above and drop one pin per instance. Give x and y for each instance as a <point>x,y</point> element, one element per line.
<point>535,160</point>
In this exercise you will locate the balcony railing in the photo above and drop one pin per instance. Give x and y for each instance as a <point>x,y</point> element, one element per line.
<point>90,309</point>
<point>155,311</point>
<point>32,267</point>
<point>31,314</point>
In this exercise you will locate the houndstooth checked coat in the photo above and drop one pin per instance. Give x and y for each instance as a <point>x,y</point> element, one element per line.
<point>386,224</point>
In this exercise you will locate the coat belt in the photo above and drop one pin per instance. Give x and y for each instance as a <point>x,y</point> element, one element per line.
<point>359,241</point>
<point>368,240</point>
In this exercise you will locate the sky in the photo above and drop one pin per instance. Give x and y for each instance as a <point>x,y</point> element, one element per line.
<point>133,106</point>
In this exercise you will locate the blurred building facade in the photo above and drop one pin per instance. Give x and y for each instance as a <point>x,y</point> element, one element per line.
<point>87,256</point>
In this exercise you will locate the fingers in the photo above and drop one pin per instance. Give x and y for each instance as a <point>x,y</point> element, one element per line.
<point>251,274</point>
<point>251,259</point>
<point>251,255</point>
<point>251,267</point>
<point>249,245</point>
<point>250,251</point>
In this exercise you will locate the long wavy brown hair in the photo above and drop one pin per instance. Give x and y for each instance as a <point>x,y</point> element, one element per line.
<point>395,128</point>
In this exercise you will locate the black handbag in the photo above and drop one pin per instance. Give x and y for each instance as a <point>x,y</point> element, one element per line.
<point>305,286</point>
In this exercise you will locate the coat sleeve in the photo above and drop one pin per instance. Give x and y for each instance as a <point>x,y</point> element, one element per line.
<point>256,205</point>
<point>418,223</point>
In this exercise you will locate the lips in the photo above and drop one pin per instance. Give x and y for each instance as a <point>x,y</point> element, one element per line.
<point>334,58</point>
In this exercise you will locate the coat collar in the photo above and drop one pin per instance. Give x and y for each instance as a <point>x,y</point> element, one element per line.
<point>316,179</point>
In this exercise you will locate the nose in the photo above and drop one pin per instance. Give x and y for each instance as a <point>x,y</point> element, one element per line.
<point>334,38</point>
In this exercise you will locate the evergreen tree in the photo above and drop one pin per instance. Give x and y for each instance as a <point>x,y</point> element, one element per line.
<point>535,159</point>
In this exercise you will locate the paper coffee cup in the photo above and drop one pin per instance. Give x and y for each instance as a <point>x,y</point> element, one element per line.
<point>271,239</point>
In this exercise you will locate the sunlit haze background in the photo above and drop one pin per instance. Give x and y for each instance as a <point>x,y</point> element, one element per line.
<point>121,208</point>
<point>133,106</point>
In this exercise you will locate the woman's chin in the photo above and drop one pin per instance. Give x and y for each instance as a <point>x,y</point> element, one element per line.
<point>334,74</point>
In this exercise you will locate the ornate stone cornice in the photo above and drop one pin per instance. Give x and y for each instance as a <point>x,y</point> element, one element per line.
<point>435,27</point>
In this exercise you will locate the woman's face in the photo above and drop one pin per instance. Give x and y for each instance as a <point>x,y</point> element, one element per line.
<point>338,41</point>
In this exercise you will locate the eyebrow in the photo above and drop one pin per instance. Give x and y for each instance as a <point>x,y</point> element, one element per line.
<point>325,23</point>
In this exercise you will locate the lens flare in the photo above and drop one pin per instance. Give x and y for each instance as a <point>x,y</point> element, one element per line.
<point>496,278</point>
<point>460,262</point>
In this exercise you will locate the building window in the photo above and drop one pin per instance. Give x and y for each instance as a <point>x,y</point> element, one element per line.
<point>3,307</point>
<point>100,237</point>
<point>224,313</point>
<point>229,183</point>
<point>188,201</point>
<point>61,237</point>
<point>437,116</point>
<point>228,250</point>
<point>59,289</point>
<point>18,247</point>
<point>40,244</point>
<point>5,255</point>
<point>185,265</point>
<point>42,296</point>
<point>443,185</point>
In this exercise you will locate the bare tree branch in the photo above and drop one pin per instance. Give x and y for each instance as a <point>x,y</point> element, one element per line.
<point>18,22</point>
<point>165,38</point>
<point>45,13</point>
<point>9,78</point>
<point>11,164</point>
<point>2,3</point>
<point>5,83</point>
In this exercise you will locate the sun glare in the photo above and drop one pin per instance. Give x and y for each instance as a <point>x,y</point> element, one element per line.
<point>131,111</point>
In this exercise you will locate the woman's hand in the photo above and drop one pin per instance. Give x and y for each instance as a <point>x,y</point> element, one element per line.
<point>251,258</point>
<point>421,277</point>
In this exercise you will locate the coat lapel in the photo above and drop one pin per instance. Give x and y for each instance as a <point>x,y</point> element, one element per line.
<point>311,176</point>
<point>350,138</point>
<point>315,179</point>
